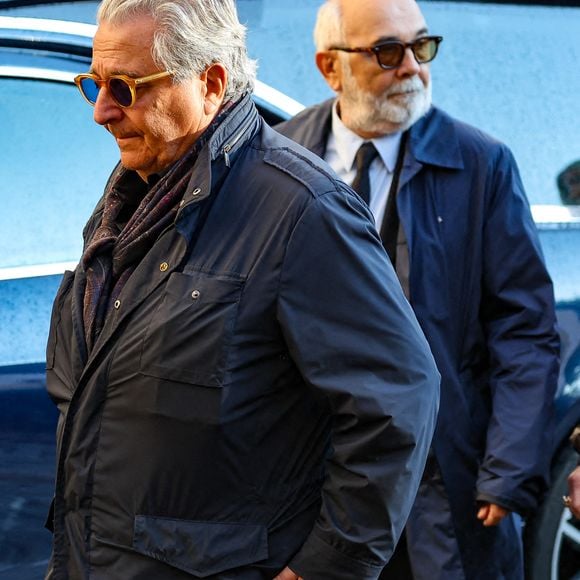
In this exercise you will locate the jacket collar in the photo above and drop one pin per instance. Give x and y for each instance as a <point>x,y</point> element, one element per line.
<point>215,158</point>
<point>433,140</point>
<point>237,128</point>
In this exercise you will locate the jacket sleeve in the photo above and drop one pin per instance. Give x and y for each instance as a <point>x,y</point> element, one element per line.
<point>518,318</point>
<point>355,339</point>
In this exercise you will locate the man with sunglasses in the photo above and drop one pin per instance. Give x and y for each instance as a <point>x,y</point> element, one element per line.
<point>453,216</point>
<point>244,392</point>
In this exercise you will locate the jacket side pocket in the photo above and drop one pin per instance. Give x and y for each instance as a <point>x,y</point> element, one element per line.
<point>201,548</point>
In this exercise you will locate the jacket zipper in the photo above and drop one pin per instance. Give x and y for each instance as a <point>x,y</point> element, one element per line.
<point>229,146</point>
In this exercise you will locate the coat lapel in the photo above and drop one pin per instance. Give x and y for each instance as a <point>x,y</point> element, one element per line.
<point>432,141</point>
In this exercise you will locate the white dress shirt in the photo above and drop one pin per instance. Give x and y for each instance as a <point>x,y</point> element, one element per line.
<point>341,150</point>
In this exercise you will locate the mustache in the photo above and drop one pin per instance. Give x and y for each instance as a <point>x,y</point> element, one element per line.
<point>412,85</point>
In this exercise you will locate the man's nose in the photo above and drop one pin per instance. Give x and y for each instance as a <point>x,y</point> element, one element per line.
<point>409,66</point>
<point>106,109</point>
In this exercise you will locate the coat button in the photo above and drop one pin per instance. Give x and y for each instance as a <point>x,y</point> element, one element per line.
<point>195,294</point>
<point>196,192</point>
<point>163,266</point>
<point>117,304</point>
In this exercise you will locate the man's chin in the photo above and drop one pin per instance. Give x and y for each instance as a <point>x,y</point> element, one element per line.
<point>129,161</point>
<point>407,116</point>
<point>394,122</point>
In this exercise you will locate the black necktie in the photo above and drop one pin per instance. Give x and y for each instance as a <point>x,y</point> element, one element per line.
<point>364,157</point>
<point>390,226</point>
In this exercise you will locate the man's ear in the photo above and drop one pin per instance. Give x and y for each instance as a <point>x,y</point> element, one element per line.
<point>330,67</point>
<point>215,78</point>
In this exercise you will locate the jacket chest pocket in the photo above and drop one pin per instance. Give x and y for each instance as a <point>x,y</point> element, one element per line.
<point>190,334</point>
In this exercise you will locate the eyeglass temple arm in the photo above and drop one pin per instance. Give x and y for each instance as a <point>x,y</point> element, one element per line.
<point>152,77</point>
<point>358,49</point>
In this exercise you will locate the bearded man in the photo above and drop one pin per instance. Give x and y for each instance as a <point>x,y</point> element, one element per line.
<point>453,215</point>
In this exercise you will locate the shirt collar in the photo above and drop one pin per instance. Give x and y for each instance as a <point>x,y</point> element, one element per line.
<point>347,144</point>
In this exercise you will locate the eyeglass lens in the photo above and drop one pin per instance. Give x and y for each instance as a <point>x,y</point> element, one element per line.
<point>90,89</point>
<point>392,54</point>
<point>120,90</point>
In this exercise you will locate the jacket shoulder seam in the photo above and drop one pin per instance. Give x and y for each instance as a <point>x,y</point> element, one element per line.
<point>332,182</point>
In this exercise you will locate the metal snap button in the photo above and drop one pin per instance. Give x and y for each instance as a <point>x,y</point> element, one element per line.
<point>196,191</point>
<point>195,294</point>
<point>117,304</point>
<point>163,266</point>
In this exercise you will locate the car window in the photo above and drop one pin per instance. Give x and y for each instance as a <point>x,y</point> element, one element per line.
<point>54,158</point>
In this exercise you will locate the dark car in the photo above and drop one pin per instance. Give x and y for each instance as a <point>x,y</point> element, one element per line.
<point>55,163</point>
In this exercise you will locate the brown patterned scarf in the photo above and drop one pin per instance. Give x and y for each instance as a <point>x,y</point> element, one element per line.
<point>118,247</point>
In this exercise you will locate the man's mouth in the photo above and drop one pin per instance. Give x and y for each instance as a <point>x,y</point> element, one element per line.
<point>121,136</point>
<point>403,93</point>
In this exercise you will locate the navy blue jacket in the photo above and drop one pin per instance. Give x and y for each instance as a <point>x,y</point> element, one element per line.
<point>481,292</point>
<point>261,395</point>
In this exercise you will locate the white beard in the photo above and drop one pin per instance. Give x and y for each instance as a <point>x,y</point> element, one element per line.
<point>386,113</point>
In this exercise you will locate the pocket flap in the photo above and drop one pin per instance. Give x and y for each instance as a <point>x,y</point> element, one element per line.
<point>200,548</point>
<point>190,334</point>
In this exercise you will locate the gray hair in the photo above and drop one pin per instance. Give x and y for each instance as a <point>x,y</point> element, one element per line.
<point>329,28</point>
<point>191,35</point>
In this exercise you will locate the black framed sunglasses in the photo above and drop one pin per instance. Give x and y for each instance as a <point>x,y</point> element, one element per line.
<point>123,89</point>
<point>390,54</point>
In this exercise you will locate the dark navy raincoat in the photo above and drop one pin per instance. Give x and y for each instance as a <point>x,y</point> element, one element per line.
<point>481,292</point>
<point>260,395</point>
